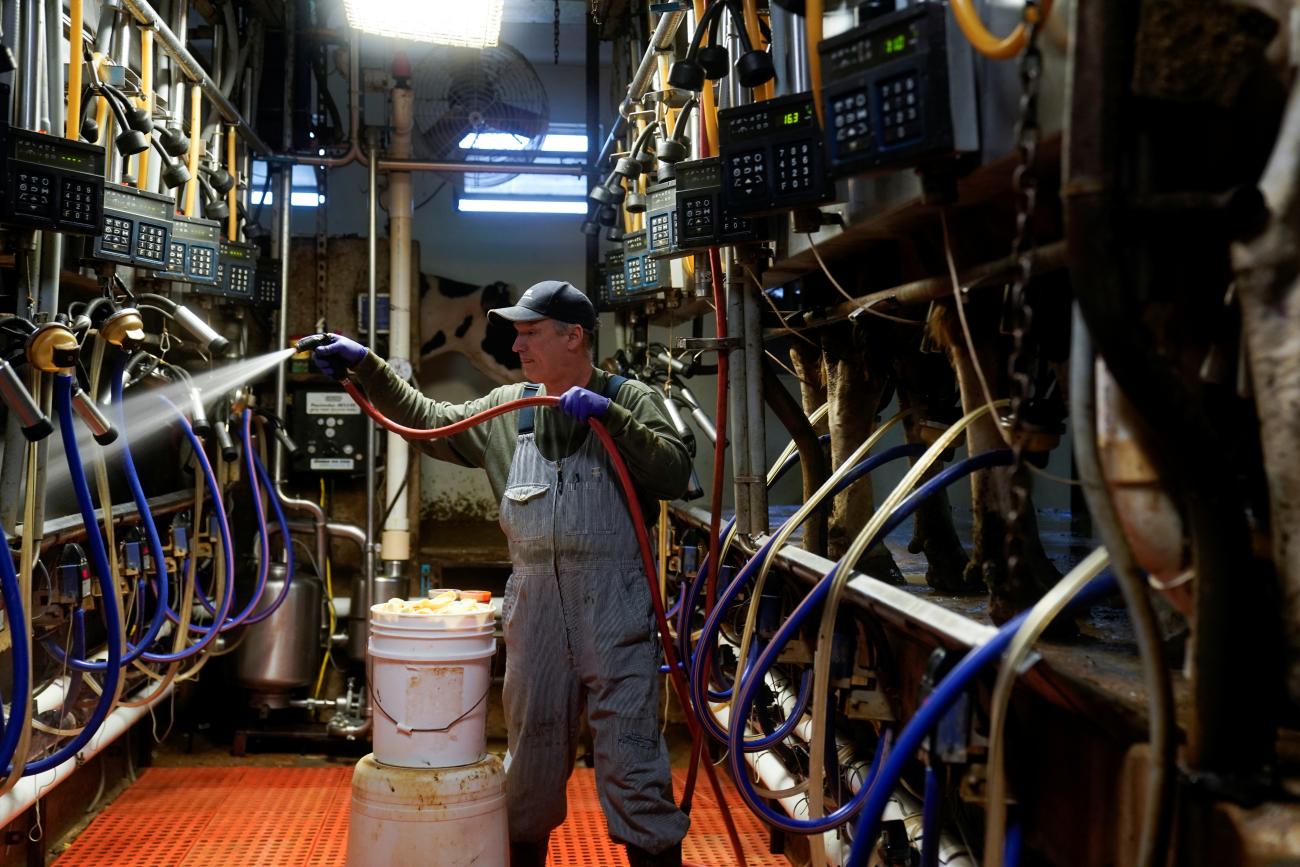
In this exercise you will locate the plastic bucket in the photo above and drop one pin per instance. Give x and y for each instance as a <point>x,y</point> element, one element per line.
<point>440,817</point>
<point>429,680</point>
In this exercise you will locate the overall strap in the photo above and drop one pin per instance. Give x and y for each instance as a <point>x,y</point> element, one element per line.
<point>615,383</point>
<point>528,413</point>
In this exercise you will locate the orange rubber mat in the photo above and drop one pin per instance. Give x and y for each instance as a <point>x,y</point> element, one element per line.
<point>290,817</point>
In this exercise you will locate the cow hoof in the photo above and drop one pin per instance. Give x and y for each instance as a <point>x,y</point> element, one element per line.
<point>882,567</point>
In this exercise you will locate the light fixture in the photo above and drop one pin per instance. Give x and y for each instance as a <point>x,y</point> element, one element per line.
<point>475,24</point>
<point>521,206</point>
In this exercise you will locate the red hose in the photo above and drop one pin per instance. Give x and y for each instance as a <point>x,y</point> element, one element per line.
<point>643,540</point>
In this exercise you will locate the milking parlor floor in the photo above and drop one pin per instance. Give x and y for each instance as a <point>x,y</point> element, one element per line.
<point>296,816</point>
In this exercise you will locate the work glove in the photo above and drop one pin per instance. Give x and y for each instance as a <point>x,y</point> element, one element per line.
<point>583,404</point>
<point>333,354</point>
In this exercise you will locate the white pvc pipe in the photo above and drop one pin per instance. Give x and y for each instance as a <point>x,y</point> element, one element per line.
<point>395,543</point>
<point>30,789</point>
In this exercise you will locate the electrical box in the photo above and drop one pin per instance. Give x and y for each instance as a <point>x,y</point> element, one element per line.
<point>236,266</point>
<point>137,227</point>
<point>613,288</point>
<point>772,157</point>
<point>267,283</point>
<point>50,182</point>
<point>898,91</point>
<point>330,431</point>
<point>381,313</point>
<point>193,250</point>
<point>661,220</point>
<point>640,273</point>
<point>702,219</point>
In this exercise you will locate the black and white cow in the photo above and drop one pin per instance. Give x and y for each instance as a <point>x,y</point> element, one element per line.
<point>453,318</point>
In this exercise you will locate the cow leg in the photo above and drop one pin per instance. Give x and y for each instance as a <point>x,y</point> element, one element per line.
<point>932,530</point>
<point>807,363</point>
<point>854,391</point>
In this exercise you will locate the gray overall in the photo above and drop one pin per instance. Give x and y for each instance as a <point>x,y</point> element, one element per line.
<point>578,623</point>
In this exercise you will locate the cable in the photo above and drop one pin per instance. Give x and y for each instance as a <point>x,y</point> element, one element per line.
<point>1035,624</point>
<point>868,308</point>
<point>939,702</point>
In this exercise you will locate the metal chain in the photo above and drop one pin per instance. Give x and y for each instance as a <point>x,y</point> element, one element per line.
<point>557,32</point>
<point>1024,183</point>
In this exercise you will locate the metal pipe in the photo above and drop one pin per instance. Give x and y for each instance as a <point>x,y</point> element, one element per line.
<point>368,575</point>
<point>661,40</point>
<point>395,541</point>
<point>29,63</point>
<point>145,14</point>
<point>395,165</point>
<point>52,242</point>
<point>353,154</point>
<point>753,363</point>
<point>742,472</point>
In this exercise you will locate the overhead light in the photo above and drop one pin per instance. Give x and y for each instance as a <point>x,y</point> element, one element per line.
<point>475,24</point>
<point>521,206</point>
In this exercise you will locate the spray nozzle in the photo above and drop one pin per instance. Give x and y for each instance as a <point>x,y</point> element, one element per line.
<point>35,425</point>
<point>100,427</point>
<point>307,344</point>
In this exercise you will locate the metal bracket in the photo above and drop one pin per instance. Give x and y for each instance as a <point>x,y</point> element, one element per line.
<point>707,344</point>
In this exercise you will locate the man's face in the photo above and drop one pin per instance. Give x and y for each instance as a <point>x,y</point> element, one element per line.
<point>542,347</point>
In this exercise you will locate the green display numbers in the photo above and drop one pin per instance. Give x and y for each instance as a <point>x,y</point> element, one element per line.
<point>791,118</point>
<point>895,44</point>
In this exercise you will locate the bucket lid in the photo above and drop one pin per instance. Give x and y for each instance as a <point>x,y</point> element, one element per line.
<point>429,786</point>
<point>433,622</point>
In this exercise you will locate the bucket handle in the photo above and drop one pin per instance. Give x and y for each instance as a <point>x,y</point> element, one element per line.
<point>404,729</point>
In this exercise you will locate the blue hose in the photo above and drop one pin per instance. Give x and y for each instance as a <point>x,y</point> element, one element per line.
<point>932,711</point>
<point>16,613</point>
<point>107,588</point>
<point>812,602</point>
<point>1011,848</point>
<point>704,649</point>
<point>284,530</point>
<point>133,652</point>
<point>930,818</point>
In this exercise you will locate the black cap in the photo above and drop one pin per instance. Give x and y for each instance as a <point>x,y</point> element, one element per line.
<point>551,299</point>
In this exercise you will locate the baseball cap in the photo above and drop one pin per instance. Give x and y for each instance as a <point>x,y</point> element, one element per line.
<point>551,299</point>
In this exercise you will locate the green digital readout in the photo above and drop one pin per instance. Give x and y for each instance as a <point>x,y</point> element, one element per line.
<point>893,43</point>
<point>896,44</point>
<point>796,117</point>
<point>195,229</point>
<point>54,152</point>
<point>233,251</point>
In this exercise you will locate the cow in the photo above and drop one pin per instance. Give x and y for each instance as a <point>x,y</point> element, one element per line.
<point>453,318</point>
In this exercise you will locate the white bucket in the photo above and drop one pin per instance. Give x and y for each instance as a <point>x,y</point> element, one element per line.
<point>441,817</point>
<point>429,679</point>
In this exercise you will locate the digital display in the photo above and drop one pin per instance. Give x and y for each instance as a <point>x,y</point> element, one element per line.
<point>137,203</point>
<point>48,151</point>
<point>236,251</point>
<point>870,48</point>
<point>634,243</point>
<point>196,230</point>
<point>791,118</point>
<point>698,173</point>
<point>890,44</point>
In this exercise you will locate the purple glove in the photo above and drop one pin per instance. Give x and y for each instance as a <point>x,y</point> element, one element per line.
<point>336,354</point>
<point>583,404</point>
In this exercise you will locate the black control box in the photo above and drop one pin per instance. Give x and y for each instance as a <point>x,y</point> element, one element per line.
<point>614,287</point>
<point>137,227</point>
<point>702,218</point>
<point>193,250</point>
<point>267,283</point>
<point>899,91</point>
<point>661,220</point>
<point>236,271</point>
<point>771,156</point>
<point>329,429</point>
<point>50,182</point>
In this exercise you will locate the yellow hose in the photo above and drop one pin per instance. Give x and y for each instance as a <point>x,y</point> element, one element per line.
<point>76,50</point>
<point>192,185</point>
<point>708,106</point>
<point>145,102</point>
<point>985,42</point>
<point>329,598</point>
<point>232,229</point>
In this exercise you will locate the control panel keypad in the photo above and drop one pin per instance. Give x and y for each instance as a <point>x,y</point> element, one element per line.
<point>795,167</point>
<point>241,281</point>
<point>201,261</point>
<point>176,257</point>
<point>900,109</point>
<point>748,174</point>
<point>661,234</point>
<point>698,211</point>
<point>117,235</point>
<point>852,122</point>
<point>33,193</point>
<point>151,242</point>
<point>78,202</point>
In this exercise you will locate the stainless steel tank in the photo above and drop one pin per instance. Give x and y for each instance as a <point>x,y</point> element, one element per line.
<point>385,588</point>
<point>282,653</point>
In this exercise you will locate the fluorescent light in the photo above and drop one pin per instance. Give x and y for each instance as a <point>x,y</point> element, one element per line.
<point>521,206</point>
<point>566,143</point>
<point>468,23</point>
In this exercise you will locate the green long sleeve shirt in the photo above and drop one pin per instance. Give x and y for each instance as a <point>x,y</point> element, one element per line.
<point>656,458</point>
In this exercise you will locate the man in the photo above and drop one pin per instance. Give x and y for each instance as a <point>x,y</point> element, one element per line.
<point>577,615</point>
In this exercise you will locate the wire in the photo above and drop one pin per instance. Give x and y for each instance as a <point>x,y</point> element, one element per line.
<point>770,303</point>
<point>868,308</point>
